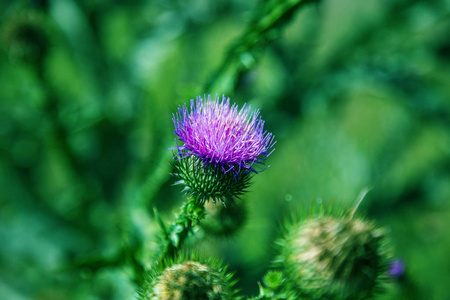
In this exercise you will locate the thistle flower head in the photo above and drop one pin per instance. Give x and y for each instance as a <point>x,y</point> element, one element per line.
<point>188,278</point>
<point>335,257</point>
<point>223,135</point>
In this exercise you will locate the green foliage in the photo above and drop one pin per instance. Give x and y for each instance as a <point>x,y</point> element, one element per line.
<point>356,93</point>
<point>192,212</point>
<point>224,220</point>
<point>275,287</point>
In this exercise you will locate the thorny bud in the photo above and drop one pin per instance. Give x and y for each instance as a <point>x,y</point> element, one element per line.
<point>189,280</point>
<point>335,258</point>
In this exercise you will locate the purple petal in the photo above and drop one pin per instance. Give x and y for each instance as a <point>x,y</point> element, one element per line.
<point>223,135</point>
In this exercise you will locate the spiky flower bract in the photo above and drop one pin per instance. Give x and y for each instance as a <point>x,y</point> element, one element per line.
<point>337,257</point>
<point>188,278</point>
<point>206,182</point>
<point>222,135</point>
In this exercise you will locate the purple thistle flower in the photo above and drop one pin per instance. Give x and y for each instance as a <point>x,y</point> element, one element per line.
<point>222,135</point>
<point>397,268</point>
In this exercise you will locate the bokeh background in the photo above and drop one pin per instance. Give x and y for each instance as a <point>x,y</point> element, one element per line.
<point>356,92</point>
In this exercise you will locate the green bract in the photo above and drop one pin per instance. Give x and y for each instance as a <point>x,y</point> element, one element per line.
<point>207,182</point>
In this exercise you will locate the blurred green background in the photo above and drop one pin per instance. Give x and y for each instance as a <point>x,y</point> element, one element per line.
<point>356,92</point>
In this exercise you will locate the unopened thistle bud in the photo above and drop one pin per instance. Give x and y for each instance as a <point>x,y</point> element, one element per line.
<point>224,221</point>
<point>189,279</point>
<point>221,147</point>
<point>335,258</point>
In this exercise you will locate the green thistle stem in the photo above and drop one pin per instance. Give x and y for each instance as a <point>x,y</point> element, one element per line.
<point>242,55</point>
<point>192,213</point>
